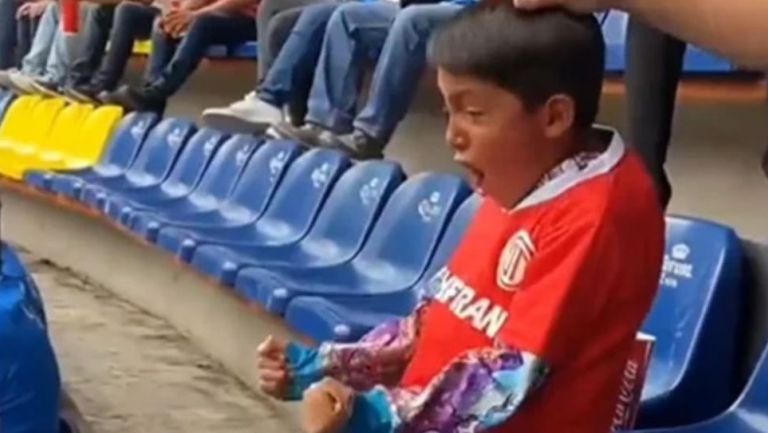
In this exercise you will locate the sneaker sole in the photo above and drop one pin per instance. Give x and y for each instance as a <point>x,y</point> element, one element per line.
<point>233,124</point>
<point>46,91</point>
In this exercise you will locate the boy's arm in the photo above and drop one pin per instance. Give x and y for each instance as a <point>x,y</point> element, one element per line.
<point>378,358</point>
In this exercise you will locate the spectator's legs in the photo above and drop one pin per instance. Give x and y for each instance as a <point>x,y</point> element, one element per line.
<point>65,49</point>
<point>95,37</point>
<point>8,33</point>
<point>355,32</point>
<point>654,66</point>
<point>204,31</point>
<point>34,62</point>
<point>399,69</point>
<point>132,21</point>
<point>25,34</point>
<point>292,71</point>
<point>274,23</point>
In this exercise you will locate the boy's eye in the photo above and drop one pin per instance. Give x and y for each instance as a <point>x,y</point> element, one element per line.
<point>474,112</point>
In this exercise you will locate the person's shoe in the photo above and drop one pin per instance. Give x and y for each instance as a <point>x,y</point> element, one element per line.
<point>5,78</point>
<point>84,94</point>
<point>45,88</point>
<point>357,145</point>
<point>22,82</point>
<point>308,134</point>
<point>134,100</point>
<point>251,115</point>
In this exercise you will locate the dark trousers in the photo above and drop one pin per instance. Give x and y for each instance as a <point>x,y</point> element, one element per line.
<point>173,60</point>
<point>25,34</point>
<point>654,67</point>
<point>95,38</point>
<point>8,33</point>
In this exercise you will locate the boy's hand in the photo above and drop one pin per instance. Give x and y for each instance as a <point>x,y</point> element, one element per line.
<point>275,377</point>
<point>32,9</point>
<point>177,21</point>
<point>327,407</point>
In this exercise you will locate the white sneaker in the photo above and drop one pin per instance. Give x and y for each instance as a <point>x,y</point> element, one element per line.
<point>5,78</point>
<point>250,114</point>
<point>22,82</point>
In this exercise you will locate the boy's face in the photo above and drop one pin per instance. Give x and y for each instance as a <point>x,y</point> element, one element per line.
<point>502,145</point>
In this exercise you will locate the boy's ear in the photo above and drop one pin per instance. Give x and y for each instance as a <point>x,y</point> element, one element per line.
<point>560,114</point>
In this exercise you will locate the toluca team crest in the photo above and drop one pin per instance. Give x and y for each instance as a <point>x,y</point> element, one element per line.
<point>514,260</point>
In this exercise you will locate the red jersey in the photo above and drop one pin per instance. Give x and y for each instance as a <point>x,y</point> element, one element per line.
<point>568,275</point>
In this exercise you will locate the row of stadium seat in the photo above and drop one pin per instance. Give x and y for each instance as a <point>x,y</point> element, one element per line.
<point>336,248</point>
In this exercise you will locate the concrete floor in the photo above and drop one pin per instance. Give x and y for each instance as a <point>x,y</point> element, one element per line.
<point>720,134</point>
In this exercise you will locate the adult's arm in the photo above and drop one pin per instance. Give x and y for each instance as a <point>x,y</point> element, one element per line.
<point>733,28</point>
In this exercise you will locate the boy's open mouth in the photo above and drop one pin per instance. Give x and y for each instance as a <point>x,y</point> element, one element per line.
<point>475,176</point>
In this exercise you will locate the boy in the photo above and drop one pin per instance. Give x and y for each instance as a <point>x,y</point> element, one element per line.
<point>530,325</point>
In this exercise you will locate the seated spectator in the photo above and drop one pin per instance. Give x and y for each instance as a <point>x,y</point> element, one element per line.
<point>132,21</point>
<point>290,77</point>
<point>44,68</point>
<point>180,39</point>
<point>527,314</point>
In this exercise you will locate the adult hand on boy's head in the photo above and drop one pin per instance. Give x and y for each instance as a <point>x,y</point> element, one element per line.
<point>574,5</point>
<point>326,407</point>
<point>274,374</point>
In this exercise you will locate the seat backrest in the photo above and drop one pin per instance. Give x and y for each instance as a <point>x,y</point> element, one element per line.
<point>16,121</point>
<point>755,393</point>
<point>66,128</point>
<point>194,159</point>
<point>302,192</point>
<point>128,139</point>
<point>354,205</point>
<point>6,98</point>
<point>96,132</point>
<point>262,174</point>
<point>453,234</point>
<point>702,271</point>
<point>226,167</point>
<point>41,122</point>
<point>413,221</point>
<point>161,148</point>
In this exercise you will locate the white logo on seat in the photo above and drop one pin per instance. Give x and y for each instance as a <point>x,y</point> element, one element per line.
<point>242,155</point>
<point>370,192</point>
<point>276,164</point>
<point>138,130</point>
<point>681,252</point>
<point>210,145</point>
<point>514,260</point>
<point>175,138</point>
<point>430,208</point>
<point>321,175</point>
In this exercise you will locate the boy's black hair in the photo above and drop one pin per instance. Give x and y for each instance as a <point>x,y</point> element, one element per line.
<point>533,55</point>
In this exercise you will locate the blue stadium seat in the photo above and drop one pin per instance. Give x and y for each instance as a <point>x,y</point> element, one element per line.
<point>695,316</point>
<point>28,369</point>
<point>390,263</point>
<point>248,50</point>
<point>6,97</point>
<point>347,319</point>
<point>120,154</point>
<point>217,183</point>
<point>185,176</point>
<point>342,226</point>
<point>749,414</point>
<point>251,194</point>
<point>697,61</point>
<point>285,221</point>
<point>153,164</point>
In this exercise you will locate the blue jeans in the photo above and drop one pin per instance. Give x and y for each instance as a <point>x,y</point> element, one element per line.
<point>52,50</point>
<point>95,37</point>
<point>8,33</point>
<point>291,73</point>
<point>399,40</point>
<point>173,60</point>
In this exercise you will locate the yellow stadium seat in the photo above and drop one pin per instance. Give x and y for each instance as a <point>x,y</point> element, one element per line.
<point>36,129</point>
<point>63,135</point>
<point>142,47</point>
<point>94,135</point>
<point>14,127</point>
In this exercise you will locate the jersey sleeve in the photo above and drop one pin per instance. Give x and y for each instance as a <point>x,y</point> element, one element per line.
<point>553,308</point>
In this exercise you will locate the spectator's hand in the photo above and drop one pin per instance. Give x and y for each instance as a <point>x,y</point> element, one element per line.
<point>574,5</point>
<point>177,21</point>
<point>274,375</point>
<point>32,9</point>
<point>327,407</point>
